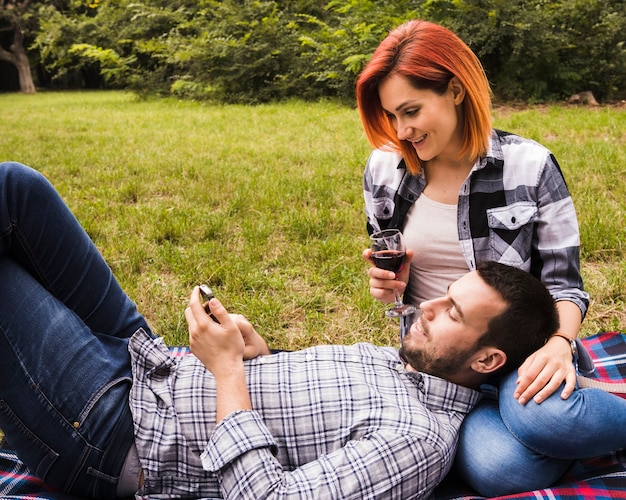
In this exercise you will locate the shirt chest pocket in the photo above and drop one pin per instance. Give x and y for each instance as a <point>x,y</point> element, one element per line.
<point>511,230</point>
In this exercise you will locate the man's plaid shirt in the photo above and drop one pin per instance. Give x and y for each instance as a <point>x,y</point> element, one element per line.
<point>513,208</point>
<point>329,422</point>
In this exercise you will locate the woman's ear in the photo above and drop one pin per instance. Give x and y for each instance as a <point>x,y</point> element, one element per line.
<point>488,360</point>
<point>457,89</point>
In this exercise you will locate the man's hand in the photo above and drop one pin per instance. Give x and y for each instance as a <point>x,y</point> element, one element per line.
<point>217,345</point>
<point>383,283</point>
<point>254,344</point>
<point>544,371</point>
<point>220,347</point>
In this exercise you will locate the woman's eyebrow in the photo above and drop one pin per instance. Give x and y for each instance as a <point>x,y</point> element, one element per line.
<point>409,103</point>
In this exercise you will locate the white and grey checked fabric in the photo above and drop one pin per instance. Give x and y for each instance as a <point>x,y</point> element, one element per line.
<point>331,422</point>
<point>513,208</point>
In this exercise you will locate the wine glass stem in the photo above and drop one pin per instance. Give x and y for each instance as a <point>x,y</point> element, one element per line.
<point>398,298</point>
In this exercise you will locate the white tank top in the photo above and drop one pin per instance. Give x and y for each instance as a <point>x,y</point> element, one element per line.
<point>431,231</point>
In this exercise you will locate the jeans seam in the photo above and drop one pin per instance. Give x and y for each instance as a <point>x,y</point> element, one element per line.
<point>41,276</point>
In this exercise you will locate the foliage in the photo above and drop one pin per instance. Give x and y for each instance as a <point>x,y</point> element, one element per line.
<point>596,51</point>
<point>249,52</point>
<point>257,51</point>
<point>336,48</point>
<point>543,49</point>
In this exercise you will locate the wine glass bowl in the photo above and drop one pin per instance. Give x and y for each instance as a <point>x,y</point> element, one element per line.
<point>389,252</point>
<point>390,260</point>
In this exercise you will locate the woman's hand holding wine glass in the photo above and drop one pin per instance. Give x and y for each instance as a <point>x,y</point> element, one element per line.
<point>388,254</point>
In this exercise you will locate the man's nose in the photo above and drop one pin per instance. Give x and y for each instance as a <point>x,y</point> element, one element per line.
<point>428,308</point>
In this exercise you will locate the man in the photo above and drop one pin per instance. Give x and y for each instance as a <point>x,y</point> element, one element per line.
<point>329,422</point>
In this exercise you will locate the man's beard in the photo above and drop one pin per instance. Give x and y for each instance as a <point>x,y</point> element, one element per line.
<point>439,366</point>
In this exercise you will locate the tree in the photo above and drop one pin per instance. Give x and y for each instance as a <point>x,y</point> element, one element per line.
<point>12,13</point>
<point>261,50</point>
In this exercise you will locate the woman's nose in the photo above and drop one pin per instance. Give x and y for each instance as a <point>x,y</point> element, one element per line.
<point>403,131</point>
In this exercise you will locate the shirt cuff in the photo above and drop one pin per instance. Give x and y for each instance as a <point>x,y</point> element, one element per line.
<point>238,433</point>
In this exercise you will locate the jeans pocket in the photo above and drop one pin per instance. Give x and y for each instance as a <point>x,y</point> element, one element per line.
<point>31,448</point>
<point>78,450</point>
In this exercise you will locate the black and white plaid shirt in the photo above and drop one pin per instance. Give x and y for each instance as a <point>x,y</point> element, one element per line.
<point>329,422</point>
<point>513,208</point>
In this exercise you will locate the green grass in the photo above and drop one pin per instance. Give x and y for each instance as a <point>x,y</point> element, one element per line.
<point>265,204</point>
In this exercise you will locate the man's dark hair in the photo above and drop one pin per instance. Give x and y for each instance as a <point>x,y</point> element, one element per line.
<point>529,319</point>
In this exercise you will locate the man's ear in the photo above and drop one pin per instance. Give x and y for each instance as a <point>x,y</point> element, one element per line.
<point>488,360</point>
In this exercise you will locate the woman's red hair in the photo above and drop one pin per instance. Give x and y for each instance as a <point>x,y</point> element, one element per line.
<point>429,56</point>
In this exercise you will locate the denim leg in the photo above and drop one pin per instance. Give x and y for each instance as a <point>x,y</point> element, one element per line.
<point>63,389</point>
<point>64,321</point>
<point>38,230</point>
<point>590,423</point>
<point>494,463</point>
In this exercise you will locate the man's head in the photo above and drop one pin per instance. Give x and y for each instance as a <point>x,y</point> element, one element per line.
<point>488,323</point>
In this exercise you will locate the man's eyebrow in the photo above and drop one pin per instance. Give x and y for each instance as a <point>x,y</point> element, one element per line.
<point>455,304</point>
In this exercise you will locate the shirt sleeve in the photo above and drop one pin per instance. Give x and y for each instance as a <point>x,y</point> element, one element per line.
<point>381,180</point>
<point>381,464</point>
<point>368,187</point>
<point>558,238</point>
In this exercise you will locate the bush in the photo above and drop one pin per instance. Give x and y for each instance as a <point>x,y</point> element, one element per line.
<point>254,51</point>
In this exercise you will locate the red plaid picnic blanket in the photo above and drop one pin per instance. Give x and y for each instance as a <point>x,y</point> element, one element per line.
<point>601,478</point>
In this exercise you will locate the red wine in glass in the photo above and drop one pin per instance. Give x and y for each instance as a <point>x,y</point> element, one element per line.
<point>388,252</point>
<point>390,260</point>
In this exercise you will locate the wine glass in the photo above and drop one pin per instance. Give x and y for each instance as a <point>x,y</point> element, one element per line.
<point>388,253</point>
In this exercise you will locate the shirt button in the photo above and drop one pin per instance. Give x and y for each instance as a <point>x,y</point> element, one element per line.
<point>262,360</point>
<point>400,367</point>
<point>513,219</point>
<point>309,357</point>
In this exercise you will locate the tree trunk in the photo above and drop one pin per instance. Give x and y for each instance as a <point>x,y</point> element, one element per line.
<point>23,70</point>
<point>16,55</point>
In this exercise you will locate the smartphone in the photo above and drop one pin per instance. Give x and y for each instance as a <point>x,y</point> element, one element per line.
<point>207,294</point>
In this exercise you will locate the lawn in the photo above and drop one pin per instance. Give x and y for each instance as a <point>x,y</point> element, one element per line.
<point>265,204</point>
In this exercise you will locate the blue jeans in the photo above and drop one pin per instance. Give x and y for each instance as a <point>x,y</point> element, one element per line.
<point>507,448</point>
<point>65,369</point>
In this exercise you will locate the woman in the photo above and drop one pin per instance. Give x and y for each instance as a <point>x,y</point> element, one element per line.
<point>463,192</point>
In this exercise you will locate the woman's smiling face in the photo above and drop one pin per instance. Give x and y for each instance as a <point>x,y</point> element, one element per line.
<point>430,121</point>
